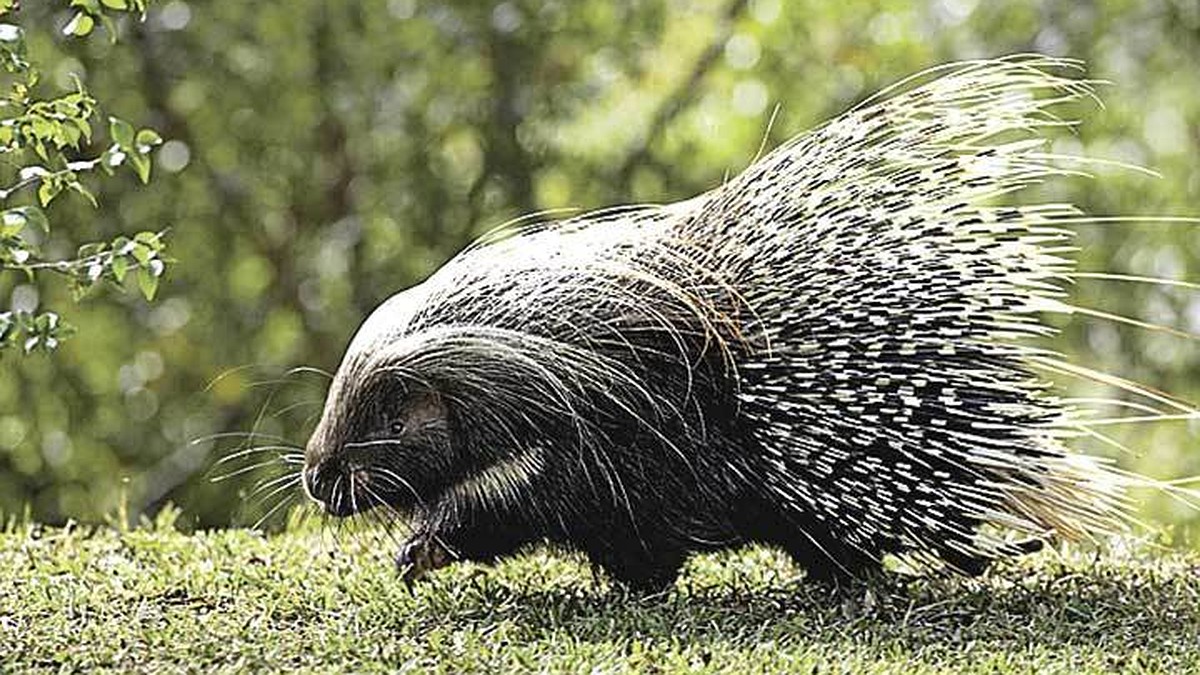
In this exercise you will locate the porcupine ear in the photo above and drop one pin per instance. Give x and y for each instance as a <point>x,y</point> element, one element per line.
<point>411,402</point>
<point>424,408</point>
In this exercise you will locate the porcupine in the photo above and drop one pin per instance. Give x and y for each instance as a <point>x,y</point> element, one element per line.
<point>828,353</point>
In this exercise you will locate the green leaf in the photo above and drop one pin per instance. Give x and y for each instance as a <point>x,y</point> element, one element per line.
<point>120,265</point>
<point>90,249</point>
<point>147,282</point>
<point>48,190</point>
<point>67,136</point>
<point>79,25</point>
<point>142,253</point>
<point>151,239</point>
<point>121,132</point>
<point>115,4</point>
<point>42,128</point>
<point>40,148</point>
<point>141,165</point>
<point>110,26</point>
<point>146,140</point>
<point>83,190</point>
<point>84,127</point>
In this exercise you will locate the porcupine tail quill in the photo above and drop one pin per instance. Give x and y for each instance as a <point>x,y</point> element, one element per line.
<point>895,293</point>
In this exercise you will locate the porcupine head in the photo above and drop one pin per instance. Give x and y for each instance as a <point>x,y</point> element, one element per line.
<point>828,353</point>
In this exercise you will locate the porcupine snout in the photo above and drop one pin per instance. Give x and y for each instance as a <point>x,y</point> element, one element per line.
<point>321,485</point>
<point>324,475</point>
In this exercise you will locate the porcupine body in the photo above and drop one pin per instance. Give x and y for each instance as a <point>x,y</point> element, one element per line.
<point>827,353</point>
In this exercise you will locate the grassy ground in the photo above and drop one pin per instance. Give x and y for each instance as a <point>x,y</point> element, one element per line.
<point>155,600</point>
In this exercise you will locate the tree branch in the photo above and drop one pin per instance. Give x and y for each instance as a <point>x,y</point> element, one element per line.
<point>683,94</point>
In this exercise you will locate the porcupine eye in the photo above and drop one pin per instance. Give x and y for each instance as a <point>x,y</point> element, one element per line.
<point>396,426</point>
<point>417,413</point>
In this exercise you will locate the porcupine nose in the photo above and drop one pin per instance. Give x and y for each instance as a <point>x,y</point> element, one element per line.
<point>312,486</point>
<point>320,473</point>
<point>321,483</point>
<point>322,477</point>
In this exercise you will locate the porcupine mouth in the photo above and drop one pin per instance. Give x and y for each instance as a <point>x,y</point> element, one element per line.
<point>344,492</point>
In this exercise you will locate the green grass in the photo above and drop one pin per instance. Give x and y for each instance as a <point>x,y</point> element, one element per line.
<point>153,600</point>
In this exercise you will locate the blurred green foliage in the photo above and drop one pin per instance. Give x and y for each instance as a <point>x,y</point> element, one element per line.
<point>320,155</point>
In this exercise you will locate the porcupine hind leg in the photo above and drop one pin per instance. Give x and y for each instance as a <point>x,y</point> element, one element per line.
<point>825,560</point>
<point>828,562</point>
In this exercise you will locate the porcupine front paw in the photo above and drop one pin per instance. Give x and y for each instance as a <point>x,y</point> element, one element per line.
<point>420,555</point>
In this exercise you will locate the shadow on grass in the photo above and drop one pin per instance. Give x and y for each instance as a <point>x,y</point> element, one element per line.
<point>1052,606</point>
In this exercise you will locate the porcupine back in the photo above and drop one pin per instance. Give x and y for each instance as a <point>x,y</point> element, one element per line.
<point>828,352</point>
<point>896,403</point>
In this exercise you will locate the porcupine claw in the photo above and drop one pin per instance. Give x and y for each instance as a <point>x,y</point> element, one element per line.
<point>419,556</point>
